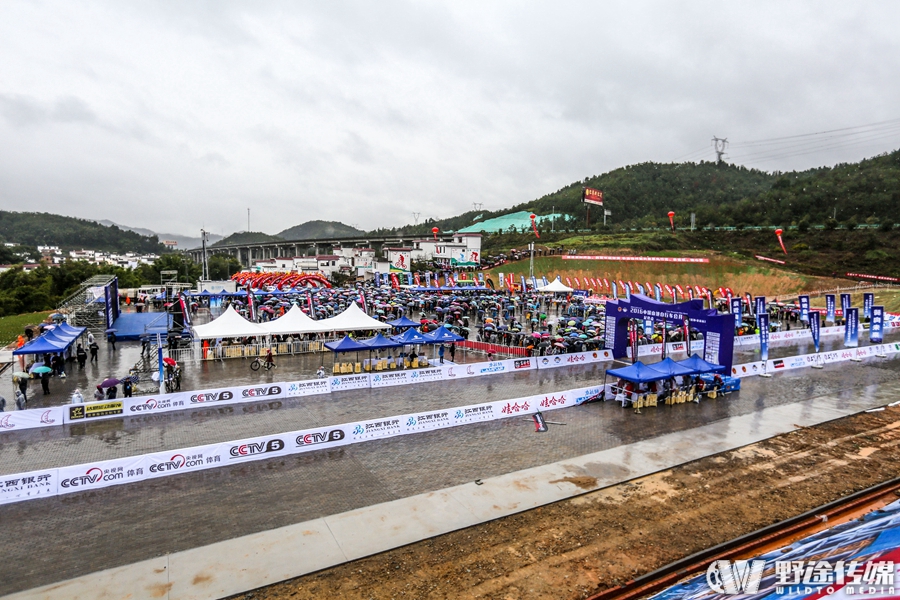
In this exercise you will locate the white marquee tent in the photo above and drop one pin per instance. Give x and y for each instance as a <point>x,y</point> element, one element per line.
<point>555,286</point>
<point>293,321</point>
<point>228,325</point>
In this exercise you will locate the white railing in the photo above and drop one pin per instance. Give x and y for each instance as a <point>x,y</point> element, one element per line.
<point>198,352</point>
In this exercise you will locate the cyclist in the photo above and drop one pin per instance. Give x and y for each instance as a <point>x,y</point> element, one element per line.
<point>270,360</point>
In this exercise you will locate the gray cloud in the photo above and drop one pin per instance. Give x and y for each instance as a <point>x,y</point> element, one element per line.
<point>182,115</point>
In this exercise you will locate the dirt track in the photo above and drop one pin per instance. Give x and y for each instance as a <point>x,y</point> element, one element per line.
<point>578,547</point>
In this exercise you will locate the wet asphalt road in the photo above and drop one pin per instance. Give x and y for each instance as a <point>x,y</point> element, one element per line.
<point>57,538</point>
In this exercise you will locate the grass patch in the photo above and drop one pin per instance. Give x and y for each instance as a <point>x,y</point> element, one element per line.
<point>12,326</point>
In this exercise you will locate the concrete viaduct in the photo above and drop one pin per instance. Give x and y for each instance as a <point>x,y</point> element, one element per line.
<point>247,253</point>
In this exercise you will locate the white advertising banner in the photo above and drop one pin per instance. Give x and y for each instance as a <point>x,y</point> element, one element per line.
<point>426,375</point>
<point>103,474</point>
<point>309,387</point>
<point>575,358</point>
<point>156,404</point>
<point>28,486</point>
<point>390,378</point>
<point>339,383</point>
<point>31,418</point>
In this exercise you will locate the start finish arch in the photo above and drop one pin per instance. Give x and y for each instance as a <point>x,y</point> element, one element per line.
<point>717,329</point>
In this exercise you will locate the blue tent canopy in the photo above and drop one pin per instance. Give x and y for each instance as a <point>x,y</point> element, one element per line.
<point>410,336</point>
<point>701,366</point>
<point>348,344</point>
<point>638,373</point>
<point>379,341</point>
<point>442,335</point>
<point>403,322</point>
<point>52,342</point>
<point>672,368</point>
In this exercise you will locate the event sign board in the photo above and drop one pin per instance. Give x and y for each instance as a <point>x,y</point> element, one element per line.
<point>829,307</point>
<point>851,328</point>
<point>763,320</point>
<point>868,303</point>
<point>845,304</point>
<point>804,308</point>
<point>815,329</point>
<point>759,308</point>
<point>876,325</point>
<point>737,309</point>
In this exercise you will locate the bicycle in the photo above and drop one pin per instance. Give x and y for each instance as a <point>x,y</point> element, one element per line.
<point>256,364</point>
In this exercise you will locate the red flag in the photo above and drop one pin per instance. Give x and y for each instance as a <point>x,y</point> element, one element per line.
<point>568,282</point>
<point>577,283</point>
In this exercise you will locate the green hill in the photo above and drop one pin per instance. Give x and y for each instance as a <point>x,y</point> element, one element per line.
<point>315,230</point>
<point>247,237</point>
<point>69,233</point>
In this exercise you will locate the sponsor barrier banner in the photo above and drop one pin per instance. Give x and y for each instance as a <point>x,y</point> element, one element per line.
<point>876,325</point>
<point>390,378</point>
<point>576,358</point>
<point>31,418</point>
<point>340,383</point>
<point>309,387</point>
<point>29,486</point>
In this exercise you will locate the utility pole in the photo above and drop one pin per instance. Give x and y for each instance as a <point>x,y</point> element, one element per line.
<point>552,219</point>
<point>531,264</point>
<point>693,219</point>
<point>416,217</point>
<point>204,236</point>
<point>248,220</point>
<point>719,144</point>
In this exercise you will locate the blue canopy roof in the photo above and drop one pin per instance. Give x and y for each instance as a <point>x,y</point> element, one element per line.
<point>403,322</point>
<point>672,368</point>
<point>638,373</point>
<point>348,344</point>
<point>442,335</point>
<point>379,341</point>
<point>411,336</point>
<point>701,366</point>
<point>52,341</point>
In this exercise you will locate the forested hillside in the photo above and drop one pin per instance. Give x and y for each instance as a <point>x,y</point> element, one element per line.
<point>44,229</point>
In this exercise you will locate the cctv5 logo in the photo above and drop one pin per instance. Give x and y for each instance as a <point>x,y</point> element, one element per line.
<point>93,475</point>
<point>309,439</point>
<point>212,397</point>
<point>256,392</point>
<point>256,448</point>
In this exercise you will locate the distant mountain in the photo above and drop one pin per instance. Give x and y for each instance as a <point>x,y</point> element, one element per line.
<point>69,233</point>
<point>185,242</point>
<point>248,237</point>
<point>316,230</point>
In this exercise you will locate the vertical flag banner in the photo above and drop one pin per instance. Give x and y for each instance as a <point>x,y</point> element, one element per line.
<point>804,308</point>
<point>845,304</point>
<point>759,308</point>
<point>749,304</point>
<point>615,290</point>
<point>763,320</point>
<point>815,328</point>
<point>377,279</point>
<point>737,310</point>
<point>665,339</point>
<point>876,326</point>
<point>309,302</point>
<point>829,307</point>
<point>417,280</point>
<point>524,287</point>
<point>409,279</point>
<point>627,288</point>
<point>687,336</point>
<point>502,280</point>
<point>545,280</point>
<point>657,292</point>
<point>868,303</point>
<point>851,328</point>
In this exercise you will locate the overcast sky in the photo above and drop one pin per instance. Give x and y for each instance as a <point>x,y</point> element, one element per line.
<point>178,115</point>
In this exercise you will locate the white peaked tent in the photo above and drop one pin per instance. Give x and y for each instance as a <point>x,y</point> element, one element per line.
<point>352,319</point>
<point>293,321</point>
<point>229,324</point>
<point>555,286</point>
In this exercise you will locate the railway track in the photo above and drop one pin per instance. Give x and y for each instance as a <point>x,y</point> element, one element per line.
<point>758,542</point>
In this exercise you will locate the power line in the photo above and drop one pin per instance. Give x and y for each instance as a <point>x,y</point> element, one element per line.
<point>701,151</point>
<point>802,135</point>
<point>848,144</point>
<point>821,144</point>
